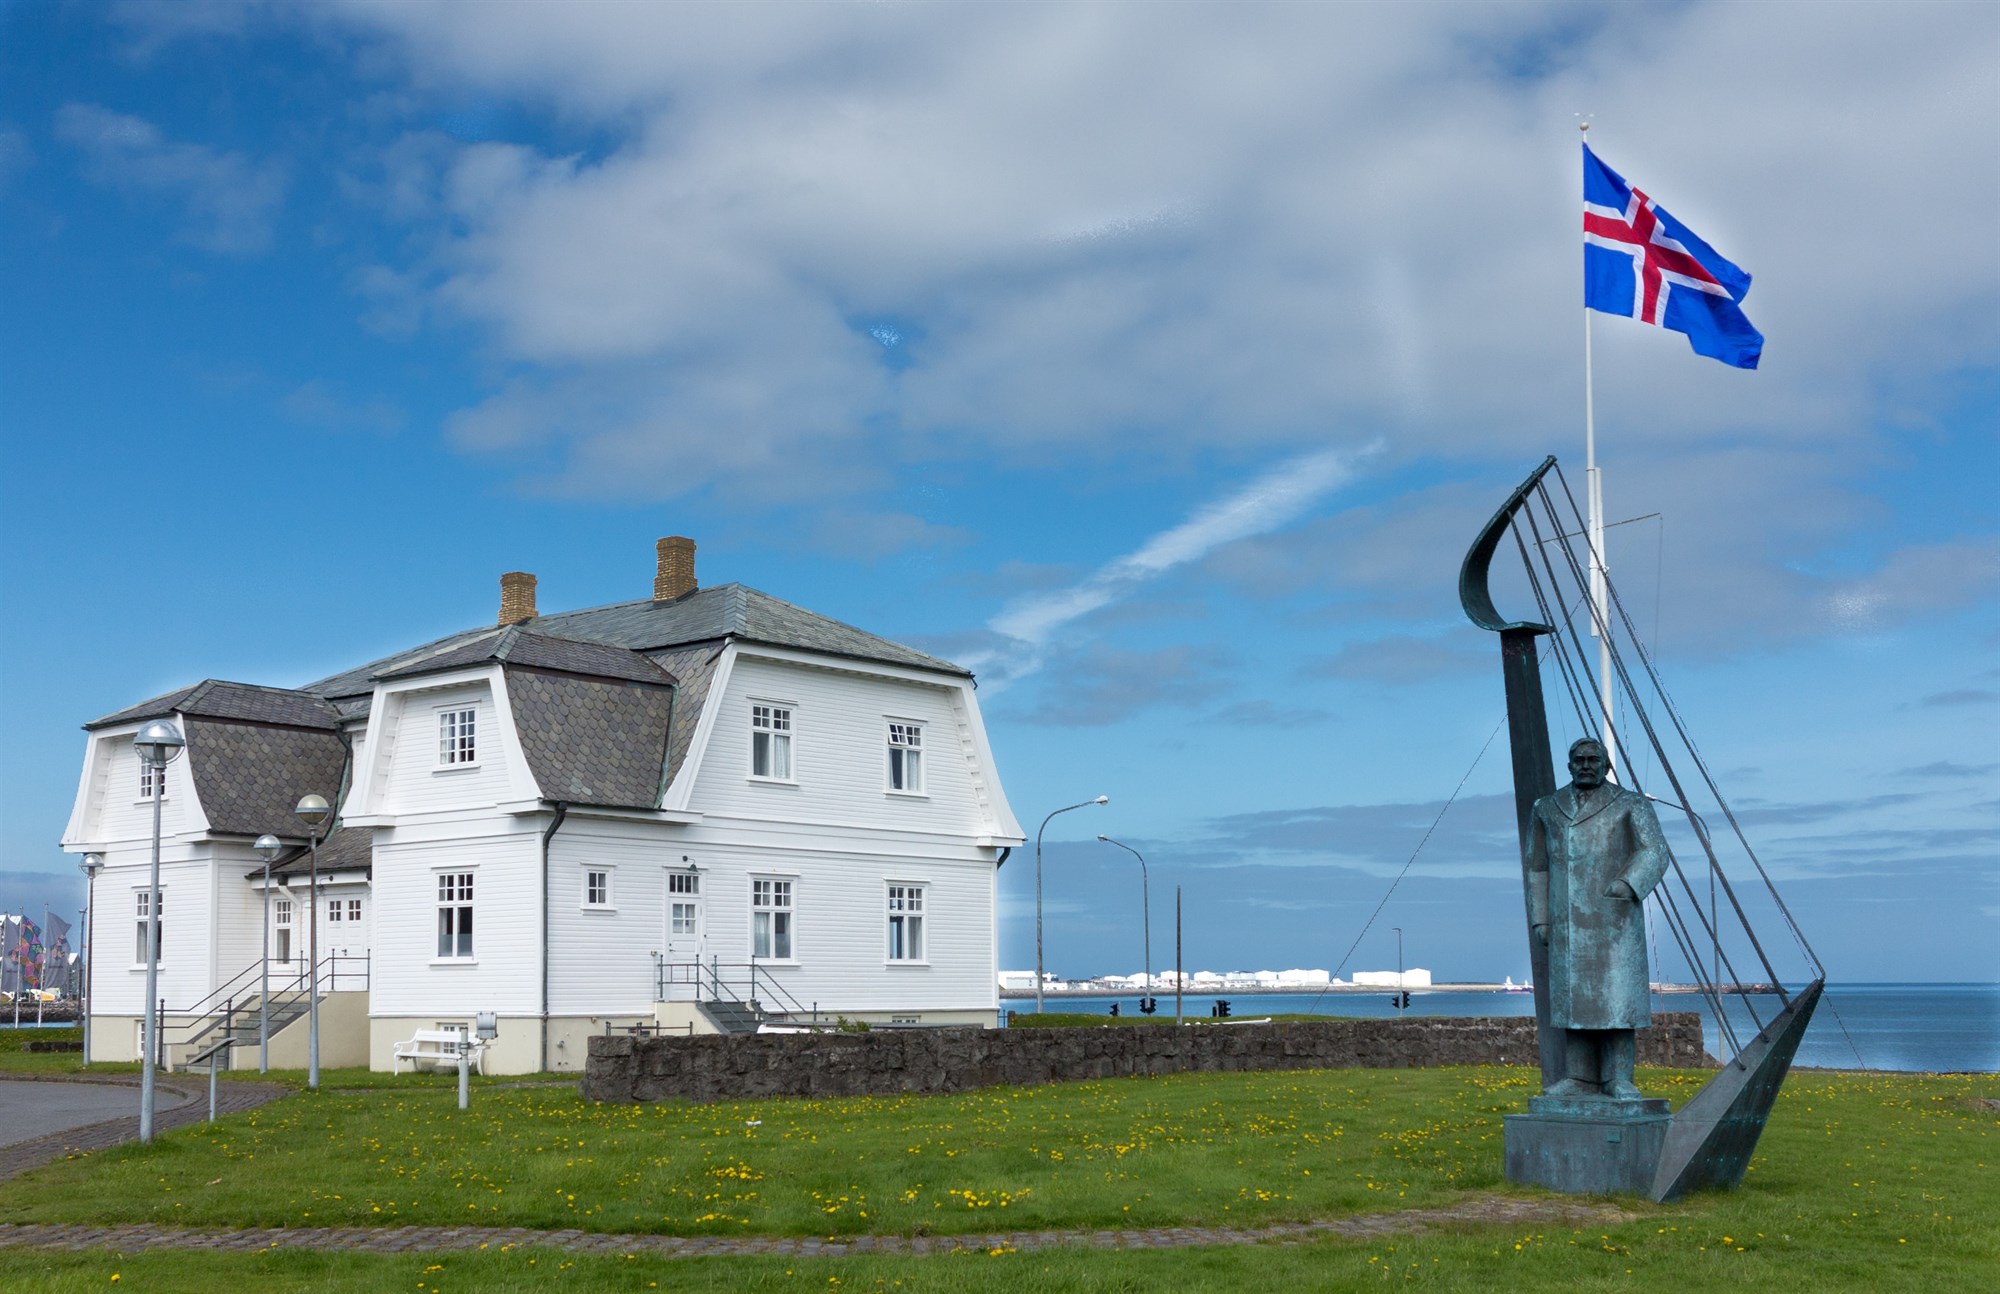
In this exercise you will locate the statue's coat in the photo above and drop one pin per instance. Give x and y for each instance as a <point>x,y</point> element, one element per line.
<point>1579,843</point>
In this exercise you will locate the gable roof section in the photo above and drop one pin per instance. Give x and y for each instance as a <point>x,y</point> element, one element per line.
<point>216,699</point>
<point>250,776</point>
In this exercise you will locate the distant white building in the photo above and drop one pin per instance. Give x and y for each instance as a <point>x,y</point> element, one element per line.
<point>1415,977</point>
<point>671,810</point>
<point>1017,981</point>
<point>1304,978</point>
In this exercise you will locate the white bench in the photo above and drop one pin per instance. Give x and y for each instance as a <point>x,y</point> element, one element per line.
<point>438,1047</point>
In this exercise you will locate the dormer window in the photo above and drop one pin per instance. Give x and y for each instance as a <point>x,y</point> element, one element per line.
<point>458,741</point>
<point>152,781</point>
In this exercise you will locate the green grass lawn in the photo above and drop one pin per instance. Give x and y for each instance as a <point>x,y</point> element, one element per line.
<point>17,1062</point>
<point>1862,1182</point>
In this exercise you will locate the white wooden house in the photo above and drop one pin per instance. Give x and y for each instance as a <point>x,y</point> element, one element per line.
<point>685,811</point>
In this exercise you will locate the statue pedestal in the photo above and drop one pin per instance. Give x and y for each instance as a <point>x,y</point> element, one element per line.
<point>1587,1145</point>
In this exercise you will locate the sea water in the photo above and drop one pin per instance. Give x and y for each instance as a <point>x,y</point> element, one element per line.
<point>1909,1027</point>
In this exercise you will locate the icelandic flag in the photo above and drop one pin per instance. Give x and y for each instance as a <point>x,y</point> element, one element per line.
<point>1640,262</point>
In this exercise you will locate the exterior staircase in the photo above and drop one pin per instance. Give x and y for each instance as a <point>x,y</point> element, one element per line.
<point>734,1017</point>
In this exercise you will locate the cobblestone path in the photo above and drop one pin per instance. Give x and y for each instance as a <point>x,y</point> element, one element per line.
<point>1477,1210</point>
<point>231,1097</point>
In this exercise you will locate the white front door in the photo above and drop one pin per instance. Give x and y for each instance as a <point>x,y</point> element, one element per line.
<point>684,932</point>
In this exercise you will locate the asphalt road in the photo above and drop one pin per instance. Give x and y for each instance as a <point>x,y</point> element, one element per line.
<point>29,1109</point>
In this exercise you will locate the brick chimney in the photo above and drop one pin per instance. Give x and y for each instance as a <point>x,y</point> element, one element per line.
<point>675,577</point>
<point>517,597</point>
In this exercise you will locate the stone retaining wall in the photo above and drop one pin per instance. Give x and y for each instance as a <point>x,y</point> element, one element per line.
<point>891,1061</point>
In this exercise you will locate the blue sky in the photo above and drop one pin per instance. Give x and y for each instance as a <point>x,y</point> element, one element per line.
<point>1159,362</point>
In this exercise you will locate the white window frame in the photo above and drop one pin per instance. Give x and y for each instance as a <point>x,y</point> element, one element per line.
<point>608,902</point>
<point>908,927</point>
<point>776,724</point>
<point>353,911</point>
<point>775,898</point>
<point>142,898</point>
<point>281,925</point>
<point>152,779</point>
<point>462,898</point>
<point>457,748</point>
<point>336,911</point>
<point>903,758</point>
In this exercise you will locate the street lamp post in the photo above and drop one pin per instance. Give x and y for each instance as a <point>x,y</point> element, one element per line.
<point>315,812</point>
<point>269,847</point>
<point>159,744</point>
<point>92,864</point>
<point>1145,907</point>
<point>1400,994</point>
<point>1102,799</point>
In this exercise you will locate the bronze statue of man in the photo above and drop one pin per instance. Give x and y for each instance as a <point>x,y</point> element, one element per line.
<point>1594,852</point>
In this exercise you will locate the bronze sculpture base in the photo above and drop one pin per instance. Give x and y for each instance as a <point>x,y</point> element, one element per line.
<point>1587,1145</point>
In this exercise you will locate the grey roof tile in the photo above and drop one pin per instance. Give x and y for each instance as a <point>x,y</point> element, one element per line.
<point>347,849</point>
<point>733,610</point>
<point>695,668</point>
<point>217,699</point>
<point>592,741</point>
<point>250,775</point>
<point>647,625</point>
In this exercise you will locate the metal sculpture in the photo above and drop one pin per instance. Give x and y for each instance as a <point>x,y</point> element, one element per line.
<point>1591,855</point>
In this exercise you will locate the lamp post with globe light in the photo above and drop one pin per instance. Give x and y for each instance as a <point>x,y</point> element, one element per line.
<point>269,847</point>
<point>1102,799</point>
<point>315,812</point>
<point>159,743</point>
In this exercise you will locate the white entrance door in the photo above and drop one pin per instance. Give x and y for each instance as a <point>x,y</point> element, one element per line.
<point>684,932</point>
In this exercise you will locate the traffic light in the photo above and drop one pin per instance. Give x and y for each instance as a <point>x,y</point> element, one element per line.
<point>1148,1005</point>
<point>1222,1007</point>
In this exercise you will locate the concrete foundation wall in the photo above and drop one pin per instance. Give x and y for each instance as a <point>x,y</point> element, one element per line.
<point>891,1061</point>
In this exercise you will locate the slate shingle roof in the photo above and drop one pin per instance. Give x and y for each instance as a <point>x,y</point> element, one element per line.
<point>216,699</point>
<point>695,668</point>
<point>514,645</point>
<point>704,616</point>
<point>250,776</point>
<point>592,741</point>
<point>347,849</point>
<point>593,691</point>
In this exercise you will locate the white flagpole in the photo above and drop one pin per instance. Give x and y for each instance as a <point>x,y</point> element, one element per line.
<point>1600,615</point>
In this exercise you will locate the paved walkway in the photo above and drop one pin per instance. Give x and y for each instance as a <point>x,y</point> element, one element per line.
<point>178,1101</point>
<point>35,1108</point>
<point>1477,1210</point>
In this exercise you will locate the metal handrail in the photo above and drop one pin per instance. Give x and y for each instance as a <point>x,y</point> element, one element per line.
<point>197,1023</point>
<point>712,985</point>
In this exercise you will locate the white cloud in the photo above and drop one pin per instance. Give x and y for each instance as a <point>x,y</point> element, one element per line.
<point>1275,499</point>
<point>1112,227</point>
<point>228,200</point>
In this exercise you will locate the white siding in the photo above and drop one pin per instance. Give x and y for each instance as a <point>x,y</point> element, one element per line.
<point>504,974</point>
<point>416,782</point>
<point>119,814</point>
<point>839,752</point>
<point>187,931</point>
<point>601,962</point>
